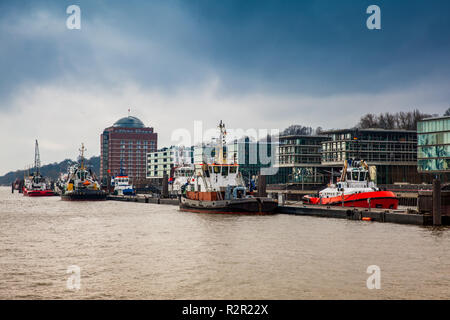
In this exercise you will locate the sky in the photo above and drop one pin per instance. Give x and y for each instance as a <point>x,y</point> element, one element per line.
<point>252,64</point>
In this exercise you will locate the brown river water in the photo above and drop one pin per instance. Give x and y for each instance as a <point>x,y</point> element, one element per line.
<point>149,251</point>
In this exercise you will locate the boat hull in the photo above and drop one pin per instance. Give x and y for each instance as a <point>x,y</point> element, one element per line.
<point>376,199</point>
<point>84,195</point>
<point>252,206</point>
<point>37,193</point>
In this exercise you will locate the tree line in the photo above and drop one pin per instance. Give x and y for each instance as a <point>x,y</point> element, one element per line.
<point>398,120</point>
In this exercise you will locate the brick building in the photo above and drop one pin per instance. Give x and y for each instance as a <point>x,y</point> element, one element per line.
<point>126,143</point>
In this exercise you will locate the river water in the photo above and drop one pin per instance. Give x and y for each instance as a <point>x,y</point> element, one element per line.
<point>149,251</point>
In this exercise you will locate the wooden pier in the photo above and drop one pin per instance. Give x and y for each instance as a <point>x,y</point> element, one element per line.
<point>144,199</point>
<point>376,215</point>
<point>392,216</point>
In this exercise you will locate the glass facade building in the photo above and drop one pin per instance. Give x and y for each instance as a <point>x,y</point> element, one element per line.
<point>300,160</point>
<point>433,145</point>
<point>393,152</point>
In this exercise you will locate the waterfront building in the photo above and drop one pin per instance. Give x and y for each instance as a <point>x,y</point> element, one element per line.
<point>165,160</point>
<point>433,150</point>
<point>126,144</point>
<point>393,152</point>
<point>299,160</point>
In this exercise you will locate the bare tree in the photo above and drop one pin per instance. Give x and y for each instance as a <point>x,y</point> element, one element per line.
<point>447,112</point>
<point>399,120</point>
<point>297,130</point>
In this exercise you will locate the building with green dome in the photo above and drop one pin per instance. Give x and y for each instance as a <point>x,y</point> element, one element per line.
<point>124,146</point>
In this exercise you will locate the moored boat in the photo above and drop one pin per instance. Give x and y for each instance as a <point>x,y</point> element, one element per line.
<point>356,188</point>
<point>122,186</point>
<point>82,184</point>
<point>35,185</point>
<point>219,188</point>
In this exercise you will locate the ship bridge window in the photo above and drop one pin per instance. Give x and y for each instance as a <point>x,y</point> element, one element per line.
<point>216,169</point>
<point>362,176</point>
<point>355,176</point>
<point>224,171</point>
<point>233,169</point>
<point>349,176</point>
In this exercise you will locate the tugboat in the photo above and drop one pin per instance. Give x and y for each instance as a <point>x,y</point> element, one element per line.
<point>355,188</point>
<point>82,183</point>
<point>121,184</point>
<point>35,185</point>
<point>220,188</point>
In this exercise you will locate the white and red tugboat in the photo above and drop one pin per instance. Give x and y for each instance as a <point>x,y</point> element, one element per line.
<point>355,188</point>
<point>36,185</point>
<point>219,188</point>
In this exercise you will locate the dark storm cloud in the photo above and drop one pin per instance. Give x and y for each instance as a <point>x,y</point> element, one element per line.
<point>308,47</point>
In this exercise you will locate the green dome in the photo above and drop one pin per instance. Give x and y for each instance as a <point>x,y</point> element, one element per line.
<point>129,122</point>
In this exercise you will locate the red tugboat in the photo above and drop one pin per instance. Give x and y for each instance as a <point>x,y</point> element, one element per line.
<point>220,188</point>
<point>36,185</point>
<point>355,188</point>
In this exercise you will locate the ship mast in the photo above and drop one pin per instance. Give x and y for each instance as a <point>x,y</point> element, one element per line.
<point>219,154</point>
<point>37,159</point>
<point>82,149</point>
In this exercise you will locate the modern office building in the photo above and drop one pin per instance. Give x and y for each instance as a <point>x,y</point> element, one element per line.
<point>393,152</point>
<point>125,145</point>
<point>433,145</point>
<point>300,160</point>
<point>165,160</point>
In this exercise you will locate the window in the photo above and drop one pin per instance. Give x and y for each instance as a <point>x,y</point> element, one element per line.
<point>224,170</point>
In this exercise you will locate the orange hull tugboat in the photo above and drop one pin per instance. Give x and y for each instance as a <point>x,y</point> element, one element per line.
<point>220,188</point>
<point>355,188</point>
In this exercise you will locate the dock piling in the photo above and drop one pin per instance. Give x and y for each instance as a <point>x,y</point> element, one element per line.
<point>262,186</point>
<point>437,218</point>
<point>165,186</point>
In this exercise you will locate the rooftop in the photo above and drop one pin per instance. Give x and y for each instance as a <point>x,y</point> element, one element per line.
<point>435,118</point>
<point>380,130</point>
<point>129,122</point>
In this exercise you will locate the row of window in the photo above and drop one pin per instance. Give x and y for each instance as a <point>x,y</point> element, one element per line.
<point>368,136</point>
<point>433,125</point>
<point>299,159</point>
<point>370,157</point>
<point>433,164</point>
<point>433,138</point>
<point>299,150</point>
<point>155,167</point>
<point>302,141</point>
<point>341,146</point>
<point>434,152</point>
